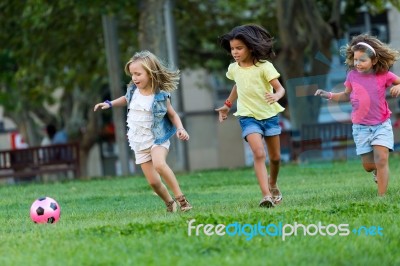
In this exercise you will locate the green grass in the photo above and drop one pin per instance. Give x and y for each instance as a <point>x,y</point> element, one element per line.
<point>118,221</point>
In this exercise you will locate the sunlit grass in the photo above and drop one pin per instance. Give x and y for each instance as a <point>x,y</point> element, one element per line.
<point>120,222</point>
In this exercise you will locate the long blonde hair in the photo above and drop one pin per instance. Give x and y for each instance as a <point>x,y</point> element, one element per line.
<point>384,55</point>
<point>162,78</point>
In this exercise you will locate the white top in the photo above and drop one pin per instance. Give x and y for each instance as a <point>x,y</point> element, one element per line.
<point>139,121</point>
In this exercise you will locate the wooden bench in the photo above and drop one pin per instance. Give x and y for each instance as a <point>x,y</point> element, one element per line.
<point>35,161</point>
<point>314,139</point>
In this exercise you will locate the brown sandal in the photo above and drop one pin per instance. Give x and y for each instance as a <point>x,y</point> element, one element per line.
<point>172,206</point>
<point>184,203</point>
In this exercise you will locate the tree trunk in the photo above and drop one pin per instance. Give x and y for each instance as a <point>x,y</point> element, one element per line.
<point>151,28</point>
<point>153,37</point>
<point>88,138</point>
<point>114,73</point>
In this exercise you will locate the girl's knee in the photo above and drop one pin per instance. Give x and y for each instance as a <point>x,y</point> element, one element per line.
<point>381,159</point>
<point>368,167</point>
<point>160,167</point>
<point>380,152</point>
<point>259,154</point>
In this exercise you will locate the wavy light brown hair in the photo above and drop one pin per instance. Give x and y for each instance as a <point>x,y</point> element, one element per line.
<point>385,55</point>
<point>162,78</point>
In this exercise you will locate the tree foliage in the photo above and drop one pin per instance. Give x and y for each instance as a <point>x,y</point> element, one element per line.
<point>52,44</point>
<point>45,45</point>
<point>200,23</point>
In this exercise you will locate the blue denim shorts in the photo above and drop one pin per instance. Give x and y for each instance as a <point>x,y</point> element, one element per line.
<point>266,127</point>
<point>367,136</point>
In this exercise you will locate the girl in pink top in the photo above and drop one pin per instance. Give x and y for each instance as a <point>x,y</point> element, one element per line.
<point>369,60</point>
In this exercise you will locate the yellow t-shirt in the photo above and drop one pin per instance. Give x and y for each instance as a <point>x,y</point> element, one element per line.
<point>252,83</point>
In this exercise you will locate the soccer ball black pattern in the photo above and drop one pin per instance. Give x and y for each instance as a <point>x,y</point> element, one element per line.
<point>45,210</point>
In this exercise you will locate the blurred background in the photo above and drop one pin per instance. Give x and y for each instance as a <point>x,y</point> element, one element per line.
<point>59,58</point>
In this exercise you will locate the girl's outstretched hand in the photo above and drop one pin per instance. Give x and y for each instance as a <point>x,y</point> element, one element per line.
<point>322,93</point>
<point>102,106</point>
<point>222,113</point>
<point>395,91</point>
<point>182,134</point>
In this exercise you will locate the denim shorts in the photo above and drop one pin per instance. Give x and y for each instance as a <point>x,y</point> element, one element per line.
<point>367,136</point>
<point>266,127</point>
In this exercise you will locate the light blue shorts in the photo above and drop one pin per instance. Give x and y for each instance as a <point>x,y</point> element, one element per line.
<point>367,136</point>
<point>266,127</point>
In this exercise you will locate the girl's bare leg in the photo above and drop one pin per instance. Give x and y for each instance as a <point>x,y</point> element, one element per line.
<point>257,147</point>
<point>381,158</point>
<point>368,161</point>
<point>378,160</point>
<point>159,155</point>
<point>274,153</point>
<point>154,180</point>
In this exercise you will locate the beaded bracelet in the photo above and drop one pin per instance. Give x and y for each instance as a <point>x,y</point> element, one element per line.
<point>108,102</point>
<point>228,103</point>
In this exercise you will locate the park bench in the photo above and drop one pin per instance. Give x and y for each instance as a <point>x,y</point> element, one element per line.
<point>316,140</point>
<point>36,161</point>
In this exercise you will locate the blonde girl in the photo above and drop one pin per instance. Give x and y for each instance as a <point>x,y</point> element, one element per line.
<point>151,122</point>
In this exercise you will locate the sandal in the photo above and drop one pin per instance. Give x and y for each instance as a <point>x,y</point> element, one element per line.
<point>276,195</point>
<point>172,206</point>
<point>184,203</point>
<point>267,202</point>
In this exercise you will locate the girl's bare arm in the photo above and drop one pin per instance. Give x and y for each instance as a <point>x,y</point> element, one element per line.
<point>343,96</point>
<point>395,90</point>
<point>121,101</point>
<point>224,110</point>
<point>278,94</point>
<point>177,122</point>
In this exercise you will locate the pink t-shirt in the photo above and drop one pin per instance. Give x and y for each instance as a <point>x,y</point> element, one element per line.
<point>368,96</point>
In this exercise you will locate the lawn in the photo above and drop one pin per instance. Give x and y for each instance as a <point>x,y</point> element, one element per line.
<point>118,221</point>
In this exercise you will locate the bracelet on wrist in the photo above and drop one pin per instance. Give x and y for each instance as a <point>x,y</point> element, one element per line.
<point>330,96</point>
<point>181,128</point>
<point>228,103</point>
<point>109,103</point>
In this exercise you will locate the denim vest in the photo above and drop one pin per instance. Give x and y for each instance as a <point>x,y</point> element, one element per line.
<point>162,128</point>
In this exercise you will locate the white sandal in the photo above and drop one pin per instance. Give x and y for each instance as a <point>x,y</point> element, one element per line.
<point>267,202</point>
<point>276,195</point>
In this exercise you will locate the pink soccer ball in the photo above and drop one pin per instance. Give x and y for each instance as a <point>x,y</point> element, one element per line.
<point>45,210</point>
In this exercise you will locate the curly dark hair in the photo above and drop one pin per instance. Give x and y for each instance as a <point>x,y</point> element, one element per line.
<point>384,55</point>
<point>257,39</point>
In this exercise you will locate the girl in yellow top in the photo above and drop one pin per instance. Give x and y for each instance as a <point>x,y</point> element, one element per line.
<point>257,91</point>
